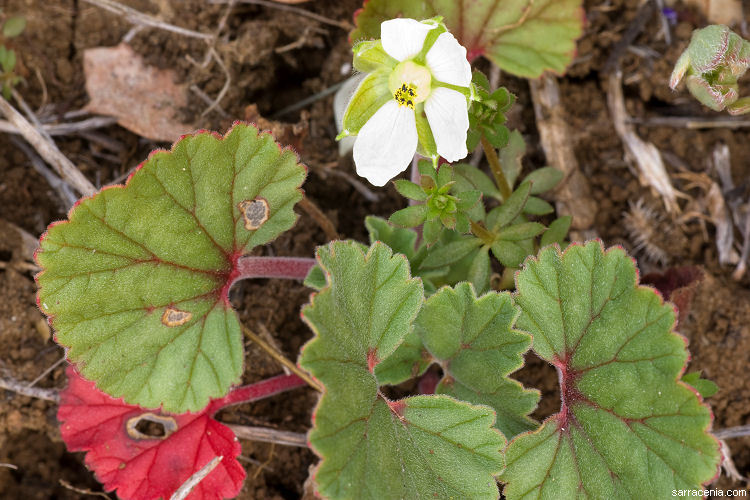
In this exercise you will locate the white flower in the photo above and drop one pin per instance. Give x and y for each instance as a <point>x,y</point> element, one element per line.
<point>436,82</point>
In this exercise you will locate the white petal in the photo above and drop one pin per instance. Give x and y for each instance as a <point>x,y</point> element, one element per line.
<point>386,144</point>
<point>448,115</point>
<point>403,38</point>
<point>447,61</point>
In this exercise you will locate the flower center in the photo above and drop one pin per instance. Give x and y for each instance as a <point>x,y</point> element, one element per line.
<point>410,83</point>
<point>405,95</point>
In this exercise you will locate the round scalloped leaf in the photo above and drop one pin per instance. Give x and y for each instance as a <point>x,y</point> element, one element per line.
<point>626,425</point>
<point>136,282</point>
<point>474,341</point>
<point>523,37</point>
<point>371,447</point>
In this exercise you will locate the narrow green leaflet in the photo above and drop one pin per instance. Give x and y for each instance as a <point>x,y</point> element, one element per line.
<point>372,447</point>
<point>523,37</point>
<point>474,341</point>
<point>627,427</point>
<point>136,281</point>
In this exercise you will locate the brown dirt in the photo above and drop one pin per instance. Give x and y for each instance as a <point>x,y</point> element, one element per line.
<point>275,59</point>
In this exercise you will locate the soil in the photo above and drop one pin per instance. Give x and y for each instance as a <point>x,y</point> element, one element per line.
<point>274,59</point>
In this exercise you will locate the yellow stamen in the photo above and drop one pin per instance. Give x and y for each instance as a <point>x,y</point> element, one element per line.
<point>405,95</point>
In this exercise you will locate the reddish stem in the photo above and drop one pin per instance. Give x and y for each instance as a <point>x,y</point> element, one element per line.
<point>291,268</point>
<point>259,390</point>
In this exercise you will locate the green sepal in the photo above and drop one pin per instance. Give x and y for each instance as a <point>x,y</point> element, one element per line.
<point>369,56</point>
<point>408,189</point>
<point>450,253</point>
<point>372,447</point>
<point>626,422</point>
<point>557,231</point>
<point>136,281</point>
<point>411,216</point>
<point>522,231</point>
<point>543,179</point>
<point>426,145</point>
<point>475,342</point>
<point>371,94</point>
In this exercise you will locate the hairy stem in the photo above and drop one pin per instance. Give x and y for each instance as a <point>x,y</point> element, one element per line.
<point>292,268</point>
<point>497,169</point>
<point>482,233</point>
<point>271,350</point>
<point>259,390</point>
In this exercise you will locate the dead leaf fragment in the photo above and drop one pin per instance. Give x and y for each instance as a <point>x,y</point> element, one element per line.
<point>143,98</point>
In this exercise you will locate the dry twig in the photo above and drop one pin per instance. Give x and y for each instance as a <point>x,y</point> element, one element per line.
<point>320,218</point>
<point>139,18</point>
<point>82,491</point>
<point>47,150</point>
<point>267,435</point>
<point>33,392</point>
<point>196,478</point>
<point>288,8</point>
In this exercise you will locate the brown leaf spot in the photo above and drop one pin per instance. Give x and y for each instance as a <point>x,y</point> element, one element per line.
<point>164,426</point>
<point>175,317</point>
<point>255,212</point>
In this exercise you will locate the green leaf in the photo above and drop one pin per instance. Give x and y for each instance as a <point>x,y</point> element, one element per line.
<point>408,189</point>
<point>469,177</point>
<point>410,216</point>
<point>512,253</point>
<point>431,231</point>
<point>705,387</point>
<point>14,26</point>
<point>626,423</point>
<point>372,447</point>
<point>315,279</point>
<point>522,231</point>
<point>371,94</point>
<point>557,231</point>
<point>480,270</point>
<point>544,179</point>
<point>450,253</point>
<point>474,340</point>
<point>399,239</point>
<point>523,37</point>
<point>537,206</point>
<point>511,156</point>
<point>467,200</point>
<point>512,208</point>
<point>408,361</point>
<point>9,61</point>
<point>136,282</point>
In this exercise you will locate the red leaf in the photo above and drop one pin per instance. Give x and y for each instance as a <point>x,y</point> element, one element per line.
<point>141,467</point>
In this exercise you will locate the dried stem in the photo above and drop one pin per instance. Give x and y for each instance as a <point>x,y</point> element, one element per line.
<point>47,150</point>
<point>64,128</point>
<point>291,268</point>
<point>267,435</point>
<point>732,432</point>
<point>497,169</point>
<point>275,354</point>
<point>33,392</point>
<point>302,12</point>
<point>139,18</point>
<point>184,490</point>
<point>320,218</point>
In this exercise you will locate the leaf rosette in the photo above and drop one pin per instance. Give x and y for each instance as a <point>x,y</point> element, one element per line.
<point>136,281</point>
